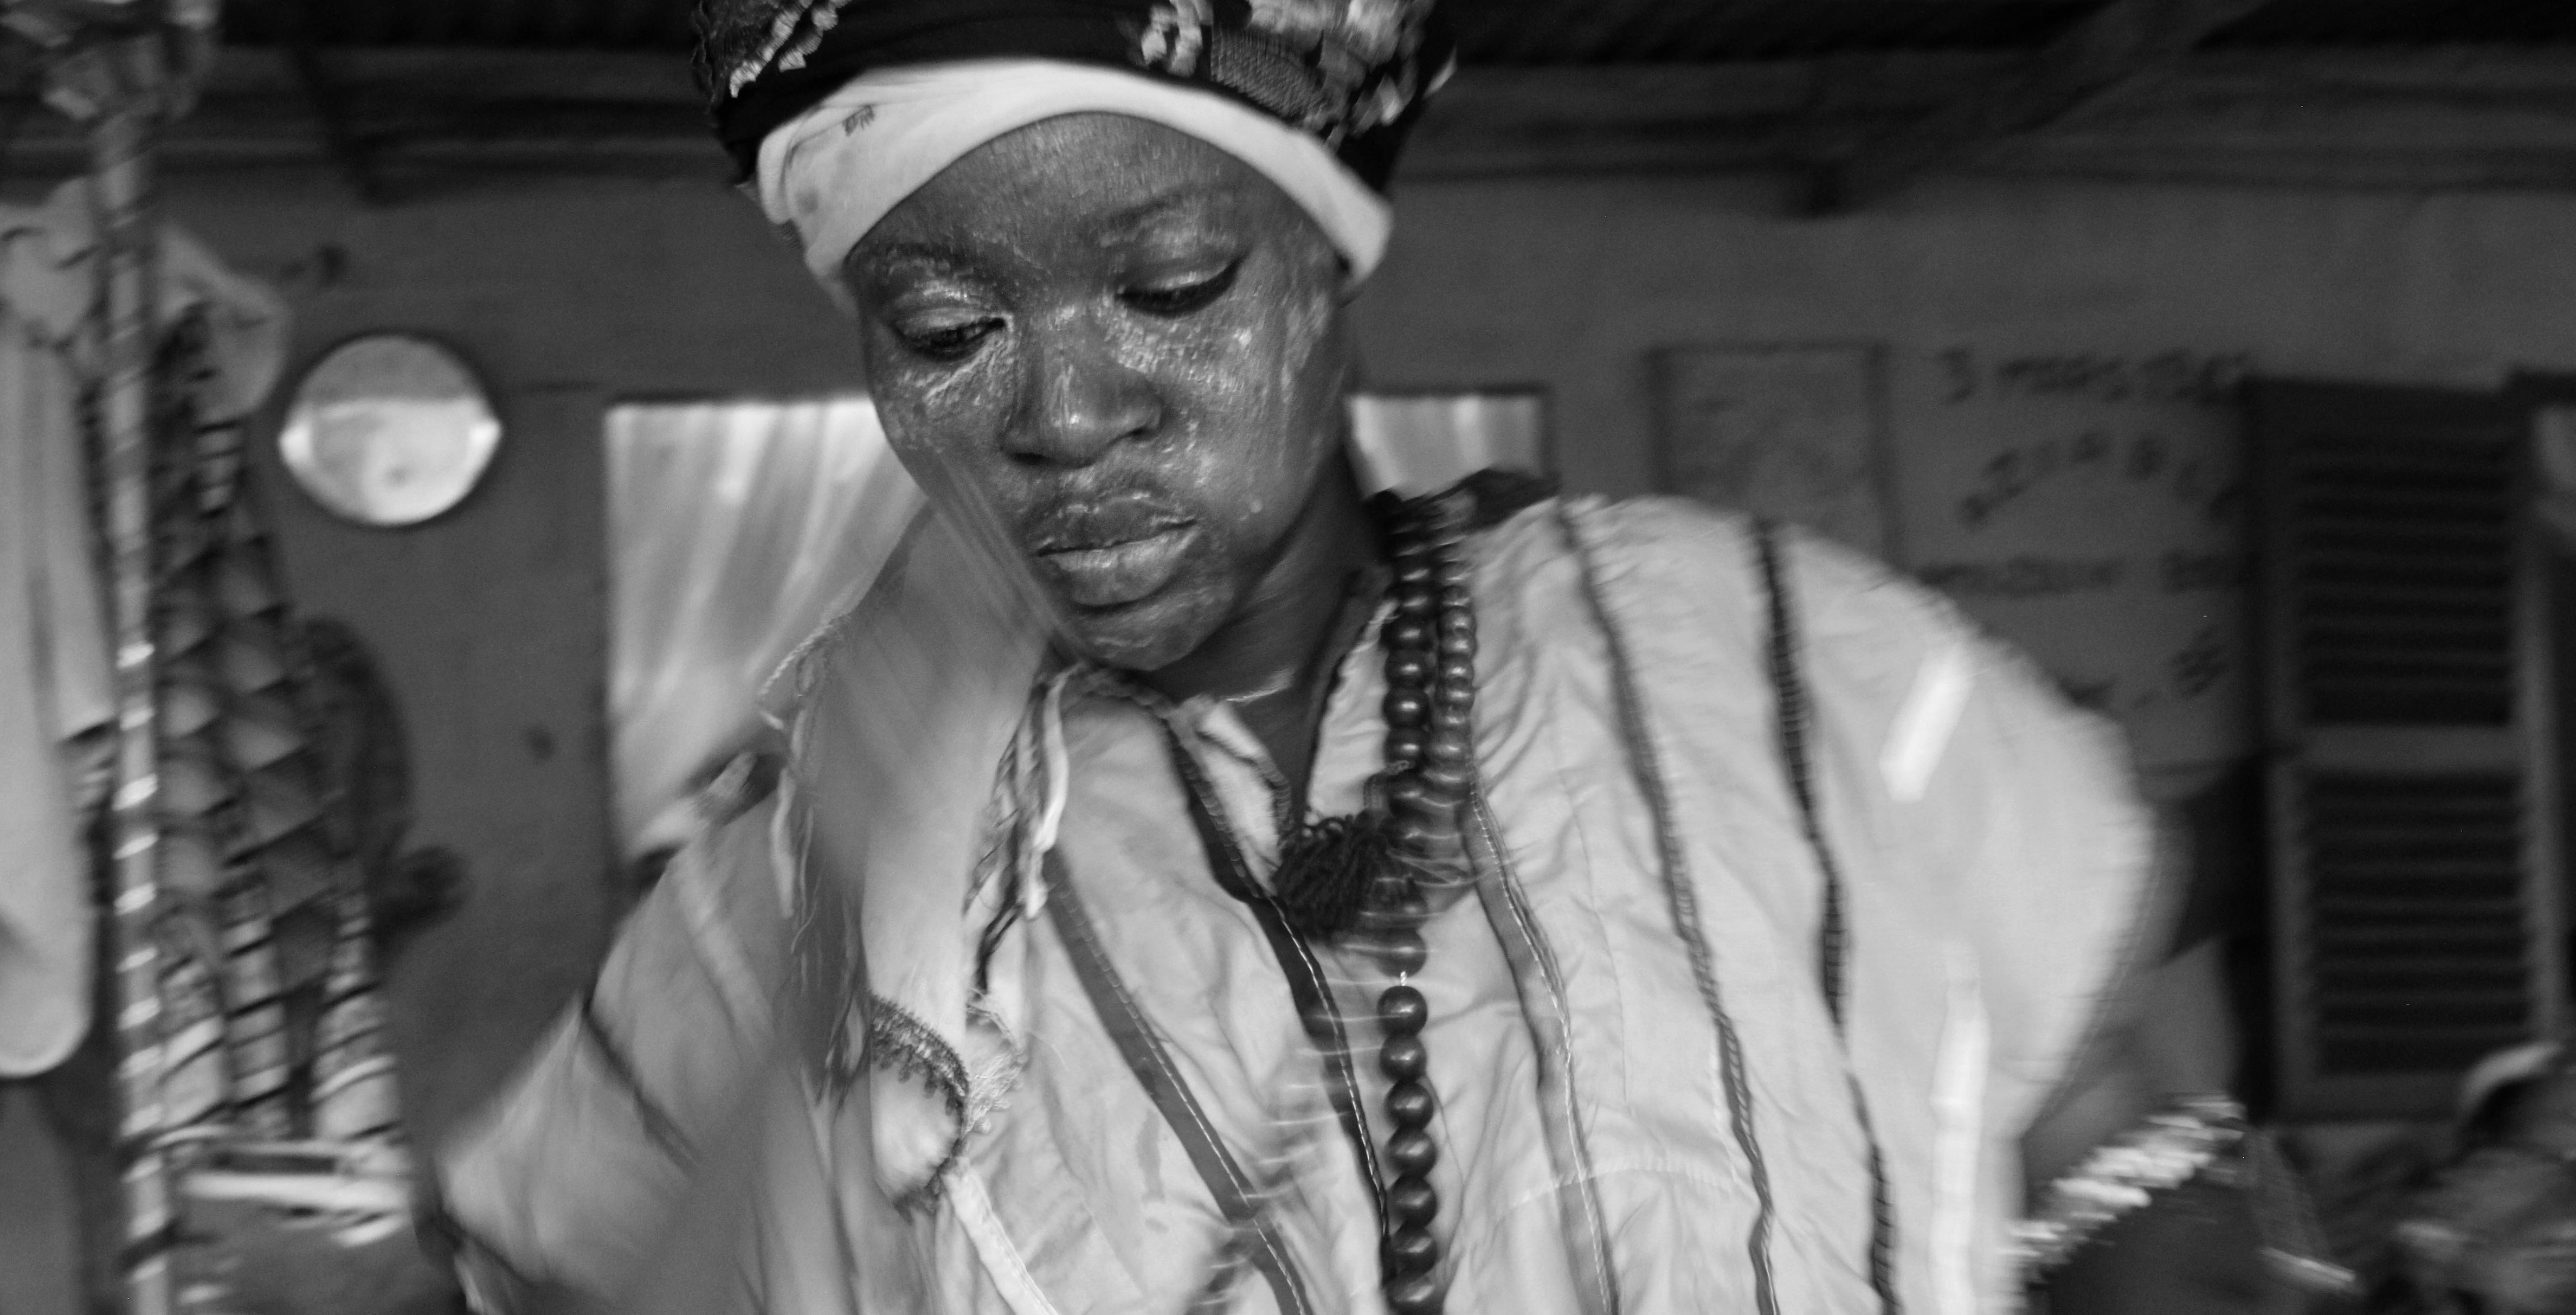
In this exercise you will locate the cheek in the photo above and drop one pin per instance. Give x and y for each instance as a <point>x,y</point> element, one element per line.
<point>939,421</point>
<point>1263,398</point>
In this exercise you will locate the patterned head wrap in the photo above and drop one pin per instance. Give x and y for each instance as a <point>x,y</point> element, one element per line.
<point>838,109</point>
<point>1353,73</point>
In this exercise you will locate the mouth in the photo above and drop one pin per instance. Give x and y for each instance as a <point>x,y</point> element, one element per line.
<point>1115,568</point>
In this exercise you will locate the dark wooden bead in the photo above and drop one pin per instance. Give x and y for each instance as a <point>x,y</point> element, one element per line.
<point>1403,1058</point>
<point>1406,707</point>
<point>1404,632</point>
<point>1412,1151</point>
<point>1414,571</point>
<point>1456,645</point>
<point>1453,597</point>
<point>1412,668</point>
<point>1405,744</point>
<point>1457,623</point>
<point>1390,919</point>
<point>1411,1200</point>
<point>1452,716</point>
<point>1402,1011</point>
<point>1410,1251</point>
<point>1445,780</point>
<point>1409,1104</point>
<point>1429,813</point>
<point>1443,847</point>
<point>1413,602</point>
<point>1456,671</point>
<point>1415,1294</point>
<point>1455,696</point>
<point>1403,953</point>
<point>1450,748</point>
<point>1450,571</point>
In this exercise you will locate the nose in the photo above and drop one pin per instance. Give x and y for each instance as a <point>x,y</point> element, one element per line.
<point>1081,398</point>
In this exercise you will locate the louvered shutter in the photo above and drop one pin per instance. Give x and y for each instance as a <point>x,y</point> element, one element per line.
<point>2412,782</point>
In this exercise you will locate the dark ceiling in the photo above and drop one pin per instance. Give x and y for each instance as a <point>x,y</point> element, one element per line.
<point>1511,32</point>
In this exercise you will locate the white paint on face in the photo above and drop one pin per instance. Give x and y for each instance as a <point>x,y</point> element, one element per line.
<point>1125,350</point>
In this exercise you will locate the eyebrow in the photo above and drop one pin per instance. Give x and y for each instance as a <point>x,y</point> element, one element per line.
<point>1120,224</point>
<point>1124,222</point>
<point>928,253</point>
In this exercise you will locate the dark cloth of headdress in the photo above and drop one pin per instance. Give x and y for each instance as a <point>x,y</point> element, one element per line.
<point>1353,72</point>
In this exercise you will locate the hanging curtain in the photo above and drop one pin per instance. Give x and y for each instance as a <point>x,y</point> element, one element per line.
<point>54,687</point>
<point>735,530</point>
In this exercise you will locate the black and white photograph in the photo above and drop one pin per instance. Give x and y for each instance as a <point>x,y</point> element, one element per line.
<point>1287,657</point>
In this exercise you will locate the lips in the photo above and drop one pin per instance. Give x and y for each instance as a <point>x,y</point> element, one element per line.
<point>1109,554</point>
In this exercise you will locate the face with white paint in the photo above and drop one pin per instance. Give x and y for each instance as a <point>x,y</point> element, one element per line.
<point>1126,350</point>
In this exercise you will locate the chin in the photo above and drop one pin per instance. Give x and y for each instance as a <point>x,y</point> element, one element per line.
<point>1142,636</point>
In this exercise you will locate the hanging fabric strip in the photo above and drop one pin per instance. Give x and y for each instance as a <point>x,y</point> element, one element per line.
<point>1143,1051</point>
<point>1542,1000</point>
<point>1796,720</point>
<point>1307,983</point>
<point>1684,901</point>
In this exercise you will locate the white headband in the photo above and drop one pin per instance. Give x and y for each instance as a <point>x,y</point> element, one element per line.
<point>831,173</point>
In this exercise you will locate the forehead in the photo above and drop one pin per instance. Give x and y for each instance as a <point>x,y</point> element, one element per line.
<point>1082,178</point>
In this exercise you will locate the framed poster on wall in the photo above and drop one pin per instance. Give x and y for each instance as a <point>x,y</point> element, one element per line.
<point>1792,431</point>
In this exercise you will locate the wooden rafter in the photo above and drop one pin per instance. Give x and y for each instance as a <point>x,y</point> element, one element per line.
<point>2106,50</point>
<point>330,104</point>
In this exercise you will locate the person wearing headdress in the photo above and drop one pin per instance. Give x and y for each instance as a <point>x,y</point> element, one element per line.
<point>1193,881</point>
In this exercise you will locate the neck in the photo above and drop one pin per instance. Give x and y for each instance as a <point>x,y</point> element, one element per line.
<point>1273,656</point>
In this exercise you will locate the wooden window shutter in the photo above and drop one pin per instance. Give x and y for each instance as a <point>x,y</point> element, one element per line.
<point>2410,740</point>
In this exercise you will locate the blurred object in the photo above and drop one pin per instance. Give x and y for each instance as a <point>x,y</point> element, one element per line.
<point>301,1020</point>
<point>2496,1234</point>
<point>54,689</point>
<point>2190,1181</point>
<point>735,529</point>
<point>2365,1177</point>
<point>123,70</point>
<point>359,733</point>
<point>390,429</point>
<point>308,1228</point>
<point>239,955</point>
<point>54,640</point>
<point>1415,443</point>
<point>2168,1149</point>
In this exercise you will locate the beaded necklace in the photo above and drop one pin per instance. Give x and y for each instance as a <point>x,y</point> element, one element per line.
<point>1365,876</point>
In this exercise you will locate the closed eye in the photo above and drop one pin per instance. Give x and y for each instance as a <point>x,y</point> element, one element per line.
<point>948,342</point>
<point>1172,299</point>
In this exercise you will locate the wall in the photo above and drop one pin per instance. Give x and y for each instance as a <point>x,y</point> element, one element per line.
<point>2038,340</point>
<point>2053,356</point>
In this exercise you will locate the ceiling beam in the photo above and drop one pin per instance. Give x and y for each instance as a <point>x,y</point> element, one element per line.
<point>2448,119</point>
<point>330,104</point>
<point>2101,54</point>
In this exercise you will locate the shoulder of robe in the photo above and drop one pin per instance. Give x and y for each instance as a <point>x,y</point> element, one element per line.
<point>1864,628</point>
<point>733,889</point>
<point>571,1173</point>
